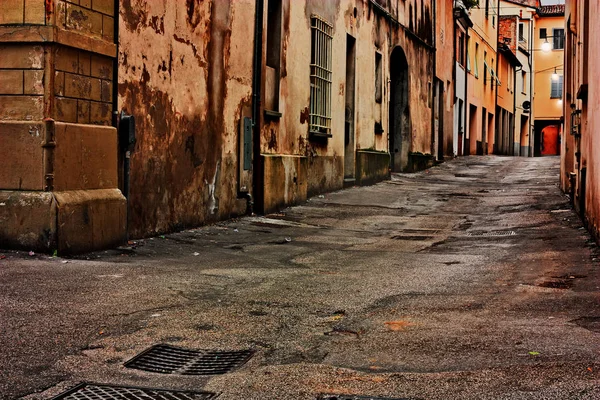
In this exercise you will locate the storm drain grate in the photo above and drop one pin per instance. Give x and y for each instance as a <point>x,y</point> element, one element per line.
<point>491,233</point>
<point>166,359</point>
<point>88,391</point>
<point>353,397</point>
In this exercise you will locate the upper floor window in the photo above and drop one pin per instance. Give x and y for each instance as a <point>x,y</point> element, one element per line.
<point>558,39</point>
<point>378,78</point>
<point>320,75</point>
<point>521,32</point>
<point>476,63</point>
<point>556,89</point>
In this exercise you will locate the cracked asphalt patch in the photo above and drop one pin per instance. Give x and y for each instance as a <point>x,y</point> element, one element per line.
<point>405,289</point>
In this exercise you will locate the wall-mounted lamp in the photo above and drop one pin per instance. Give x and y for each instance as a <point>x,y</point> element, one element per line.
<point>546,46</point>
<point>555,75</point>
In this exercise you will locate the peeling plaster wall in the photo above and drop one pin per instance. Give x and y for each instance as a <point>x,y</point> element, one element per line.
<point>185,73</point>
<point>373,32</point>
<point>445,67</point>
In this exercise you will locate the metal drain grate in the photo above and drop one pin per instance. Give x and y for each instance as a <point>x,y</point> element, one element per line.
<point>166,359</point>
<point>491,233</point>
<point>353,397</point>
<point>89,391</point>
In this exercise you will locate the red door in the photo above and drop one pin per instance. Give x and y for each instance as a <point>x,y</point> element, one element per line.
<point>550,140</point>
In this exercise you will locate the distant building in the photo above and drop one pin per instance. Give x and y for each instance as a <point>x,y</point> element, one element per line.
<point>549,40</point>
<point>482,80</point>
<point>517,29</point>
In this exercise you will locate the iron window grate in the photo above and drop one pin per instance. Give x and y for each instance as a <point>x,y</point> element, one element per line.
<point>354,397</point>
<point>90,391</point>
<point>167,359</point>
<point>492,233</point>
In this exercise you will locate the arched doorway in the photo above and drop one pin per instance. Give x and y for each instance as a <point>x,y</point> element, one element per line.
<point>399,123</point>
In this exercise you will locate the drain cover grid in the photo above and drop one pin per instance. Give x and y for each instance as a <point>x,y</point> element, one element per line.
<point>492,233</point>
<point>166,359</point>
<point>88,391</point>
<point>353,397</point>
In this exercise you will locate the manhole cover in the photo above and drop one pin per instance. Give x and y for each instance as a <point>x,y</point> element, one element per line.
<point>166,359</point>
<point>492,233</point>
<point>354,397</point>
<point>88,391</point>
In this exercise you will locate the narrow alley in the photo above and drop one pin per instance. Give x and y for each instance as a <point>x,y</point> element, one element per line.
<point>470,280</point>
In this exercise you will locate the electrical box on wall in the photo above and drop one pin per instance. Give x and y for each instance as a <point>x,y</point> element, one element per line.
<point>245,155</point>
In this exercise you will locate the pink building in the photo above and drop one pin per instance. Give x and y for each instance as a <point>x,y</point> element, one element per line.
<point>580,152</point>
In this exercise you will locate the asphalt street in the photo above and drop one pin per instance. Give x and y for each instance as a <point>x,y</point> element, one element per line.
<point>471,280</point>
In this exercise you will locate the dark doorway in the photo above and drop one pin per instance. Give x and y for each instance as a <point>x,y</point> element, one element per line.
<point>483,146</point>
<point>399,130</point>
<point>440,120</point>
<point>349,134</point>
<point>471,141</point>
<point>547,138</point>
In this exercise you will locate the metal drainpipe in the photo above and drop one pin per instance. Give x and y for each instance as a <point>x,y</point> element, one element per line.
<point>124,158</point>
<point>466,103</point>
<point>497,62</point>
<point>434,85</point>
<point>256,106</point>
<point>530,60</point>
<point>515,108</point>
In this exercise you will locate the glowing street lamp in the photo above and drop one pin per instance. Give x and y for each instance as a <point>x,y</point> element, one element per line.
<point>555,75</point>
<point>546,46</point>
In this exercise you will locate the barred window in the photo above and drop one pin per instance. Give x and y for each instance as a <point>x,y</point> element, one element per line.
<point>320,76</point>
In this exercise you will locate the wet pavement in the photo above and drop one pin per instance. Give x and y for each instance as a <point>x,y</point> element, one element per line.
<point>472,280</point>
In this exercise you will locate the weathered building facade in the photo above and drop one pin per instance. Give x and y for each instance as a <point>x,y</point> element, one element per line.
<point>580,160</point>
<point>330,90</point>
<point>59,179</point>
<point>237,104</point>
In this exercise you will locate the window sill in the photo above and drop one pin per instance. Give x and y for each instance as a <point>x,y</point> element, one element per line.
<point>270,114</point>
<point>319,136</point>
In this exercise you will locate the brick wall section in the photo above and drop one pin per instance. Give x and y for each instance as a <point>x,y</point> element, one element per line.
<point>82,87</point>
<point>93,18</point>
<point>23,12</point>
<point>82,90</point>
<point>21,82</point>
<point>507,32</point>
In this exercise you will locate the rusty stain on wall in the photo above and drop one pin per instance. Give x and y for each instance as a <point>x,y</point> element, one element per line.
<point>184,164</point>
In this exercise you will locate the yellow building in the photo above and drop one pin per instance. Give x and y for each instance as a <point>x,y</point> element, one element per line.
<point>481,78</point>
<point>548,87</point>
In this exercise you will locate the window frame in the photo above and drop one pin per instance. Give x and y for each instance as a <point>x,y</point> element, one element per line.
<point>560,38</point>
<point>321,76</point>
<point>558,84</point>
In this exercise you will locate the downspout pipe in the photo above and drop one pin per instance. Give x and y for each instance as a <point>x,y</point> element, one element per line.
<point>466,103</point>
<point>515,110</point>
<point>497,134</point>
<point>122,157</point>
<point>257,175</point>
<point>530,60</point>
<point>434,87</point>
